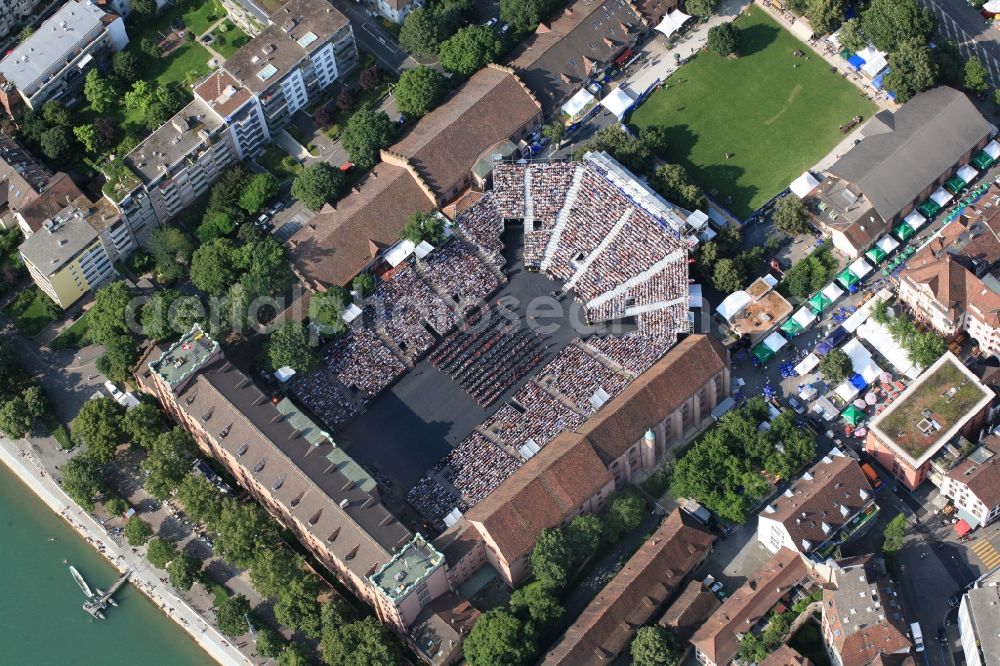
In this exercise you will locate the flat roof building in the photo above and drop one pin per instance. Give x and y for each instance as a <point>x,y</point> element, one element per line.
<point>979,624</point>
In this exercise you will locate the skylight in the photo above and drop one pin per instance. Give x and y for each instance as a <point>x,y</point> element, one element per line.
<point>267,72</point>
<point>307,39</point>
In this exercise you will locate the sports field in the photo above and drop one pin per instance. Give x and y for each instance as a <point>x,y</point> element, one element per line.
<point>774,119</point>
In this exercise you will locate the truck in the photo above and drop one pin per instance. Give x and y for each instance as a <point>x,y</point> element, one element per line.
<point>871,475</point>
<point>918,636</point>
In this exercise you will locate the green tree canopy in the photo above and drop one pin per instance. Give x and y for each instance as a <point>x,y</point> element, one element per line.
<point>161,552</point>
<point>169,460</point>
<point>889,23</point>
<point>126,66</point>
<point>326,308</point>
<point>81,479</point>
<point>655,646</point>
<point>231,616</point>
<point>269,642</point>
<point>824,15</point>
<point>584,534</point>
<point>975,76</point>
<point>116,506</point>
<point>701,7</point>
<point>836,366</point>
<point>243,529</point>
<point>359,644</point>
<point>364,284</point>
<point>317,184</point>
<point>470,49</point>
<point>289,346</point>
<point>171,250</point>
<point>629,508</point>
<point>551,557</point>
<point>419,90</point>
<point>554,131</point>
<point>535,603</point>
<point>366,133</point>
<point>892,535</point>
<point>107,317</point>
<point>524,15</point>
<point>911,69</point>
<point>727,276</point>
<point>673,183</point>
<point>56,143</point>
<point>260,189</point>
<point>272,569</point>
<point>143,424</point>
<point>424,227</point>
<point>99,91</point>
<point>297,607</point>
<point>99,426</point>
<point>137,531</point>
<point>201,499</point>
<point>20,413</point>
<point>213,267</point>
<point>421,33</point>
<point>183,571</point>
<point>851,36</point>
<point>724,39</point>
<point>87,136</point>
<point>499,638</point>
<point>791,216</point>
<point>633,154</point>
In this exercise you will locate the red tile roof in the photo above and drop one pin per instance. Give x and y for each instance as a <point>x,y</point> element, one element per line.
<point>982,479</point>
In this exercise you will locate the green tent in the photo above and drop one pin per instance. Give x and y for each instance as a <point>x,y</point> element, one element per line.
<point>819,302</point>
<point>982,160</point>
<point>762,353</point>
<point>847,278</point>
<point>792,327</point>
<point>852,415</point>
<point>877,255</point>
<point>955,184</point>
<point>928,208</point>
<point>903,231</point>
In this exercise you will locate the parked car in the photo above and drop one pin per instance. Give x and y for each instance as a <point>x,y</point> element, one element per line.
<point>717,588</point>
<point>796,405</point>
<point>492,22</point>
<point>504,28</point>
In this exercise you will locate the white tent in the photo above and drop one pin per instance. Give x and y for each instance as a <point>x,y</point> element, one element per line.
<point>887,244</point>
<point>992,7</point>
<point>672,22</point>
<point>399,252</point>
<point>803,185</point>
<point>351,312</point>
<point>423,249</point>
<point>618,102</point>
<point>878,337</point>
<point>283,374</point>
<point>941,196</point>
<point>833,292</point>
<point>847,391</point>
<point>993,148</point>
<point>775,341</point>
<point>870,53</point>
<point>861,360</point>
<point>807,365</point>
<point>698,220</point>
<point>967,173</point>
<point>578,103</point>
<point>860,268</point>
<point>804,317</point>
<point>876,64</point>
<point>733,305</point>
<point>915,220</point>
<point>825,408</point>
<point>853,322</point>
<point>808,392</point>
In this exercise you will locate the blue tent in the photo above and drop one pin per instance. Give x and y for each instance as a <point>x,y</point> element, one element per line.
<point>859,382</point>
<point>822,349</point>
<point>877,81</point>
<point>856,61</point>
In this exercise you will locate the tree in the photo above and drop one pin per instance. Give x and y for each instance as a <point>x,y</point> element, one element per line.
<point>892,535</point>
<point>824,15</point>
<point>98,425</point>
<point>346,99</point>
<point>836,366</point>
<point>272,569</point>
<point>632,153</point>
<point>183,571</point>
<point>363,284</point>
<point>137,531</point>
<point>674,184</point>
<point>726,277</point>
<point>216,224</point>
<point>293,655</point>
<point>424,227</point>
<point>701,7</point>
<point>499,639</point>
<point>551,557</point>
<point>419,90</point>
<point>326,308</point>
<point>149,47</point>
<point>108,314</point>
<point>470,49</point>
<point>143,423</point>
<point>370,77</point>
<point>655,646</point>
<point>629,508</point>
<point>116,506</point>
<point>171,250</point>
<point>126,66</point>
<point>536,604</point>
<point>584,535</point>
<point>359,644</point>
<point>421,33</point>
<point>296,606</point>
<point>975,76</point>
<point>752,649</point>
<point>317,184</point>
<point>87,136</point>
<point>911,69</point>
<point>168,462</point>
<point>147,8</point>
<point>367,132</point>
<point>723,39</point>
<point>106,133</point>
<point>889,23</point>
<point>656,138</point>
<point>201,499</point>
<point>160,552</point>
<point>55,143</point>
<point>269,642</point>
<point>212,266</point>
<point>243,528</point>
<point>155,316</point>
<point>231,616</point>
<point>56,114</point>
<point>20,413</point>
<point>289,346</point>
<point>140,97</point>
<point>554,131</point>
<point>99,91</point>
<point>790,215</point>
<point>81,479</point>
<point>225,194</point>
<point>948,62</point>
<point>851,36</point>
<point>523,15</point>
<point>258,191</point>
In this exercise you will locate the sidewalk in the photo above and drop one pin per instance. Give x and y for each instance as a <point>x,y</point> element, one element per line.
<point>20,460</point>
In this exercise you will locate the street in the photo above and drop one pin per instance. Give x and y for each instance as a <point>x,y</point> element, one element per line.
<point>960,22</point>
<point>370,34</point>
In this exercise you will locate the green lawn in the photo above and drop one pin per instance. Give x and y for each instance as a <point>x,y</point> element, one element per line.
<point>197,15</point>
<point>229,41</point>
<point>190,58</point>
<point>59,432</point>
<point>32,311</point>
<point>273,159</point>
<point>76,336</point>
<point>775,119</point>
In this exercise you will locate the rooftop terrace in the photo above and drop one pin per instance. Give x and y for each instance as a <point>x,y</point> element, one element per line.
<point>932,410</point>
<point>407,568</point>
<point>185,356</point>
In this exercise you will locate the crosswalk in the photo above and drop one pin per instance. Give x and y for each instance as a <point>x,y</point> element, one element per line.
<point>987,553</point>
<point>968,46</point>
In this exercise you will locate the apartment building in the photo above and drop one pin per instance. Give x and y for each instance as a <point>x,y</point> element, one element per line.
<point>306,47</point>
<point>974,486</point>
<point>17,14</point>
<point>396,10</point>
<point>252,16</point>
<point>73,251</point>
<point>979,624</point>
<point>52,63</point>
<point>23,179</point>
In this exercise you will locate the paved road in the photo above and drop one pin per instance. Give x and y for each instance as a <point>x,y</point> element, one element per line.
<point>963,24</point>
<point>370,34</point>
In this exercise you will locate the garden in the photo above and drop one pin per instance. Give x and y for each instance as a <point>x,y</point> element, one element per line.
<point>744,127</point>
<point>227,38</point>
<point>32,311</point>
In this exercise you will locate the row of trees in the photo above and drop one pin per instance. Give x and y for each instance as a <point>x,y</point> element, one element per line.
<point>235,196</point>
<point>809,274</point>
<point>425,28</point>
<point>23,403</point>
<point>725,263</point>
<point>923,348</point>
<point>512,635</point>
<point>723,468</point>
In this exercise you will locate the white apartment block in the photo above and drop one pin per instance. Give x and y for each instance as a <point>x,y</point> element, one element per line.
<point>979,624</point>
<point>396,10</point>
<point>974,485</point>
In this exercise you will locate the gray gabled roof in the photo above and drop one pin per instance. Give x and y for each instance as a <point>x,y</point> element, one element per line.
<point>903,153</point>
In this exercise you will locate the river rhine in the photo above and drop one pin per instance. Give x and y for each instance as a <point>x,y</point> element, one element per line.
<point>41,621</point>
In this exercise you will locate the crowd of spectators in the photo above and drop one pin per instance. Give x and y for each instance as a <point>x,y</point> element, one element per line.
<point>508,184</point>
<point>402,305</point>
<point>580,378</point>
<point>636,352</point>
<point>456,270</point>
<point>477,466</point>
<point>435,500</point>
<point>482,225</point>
